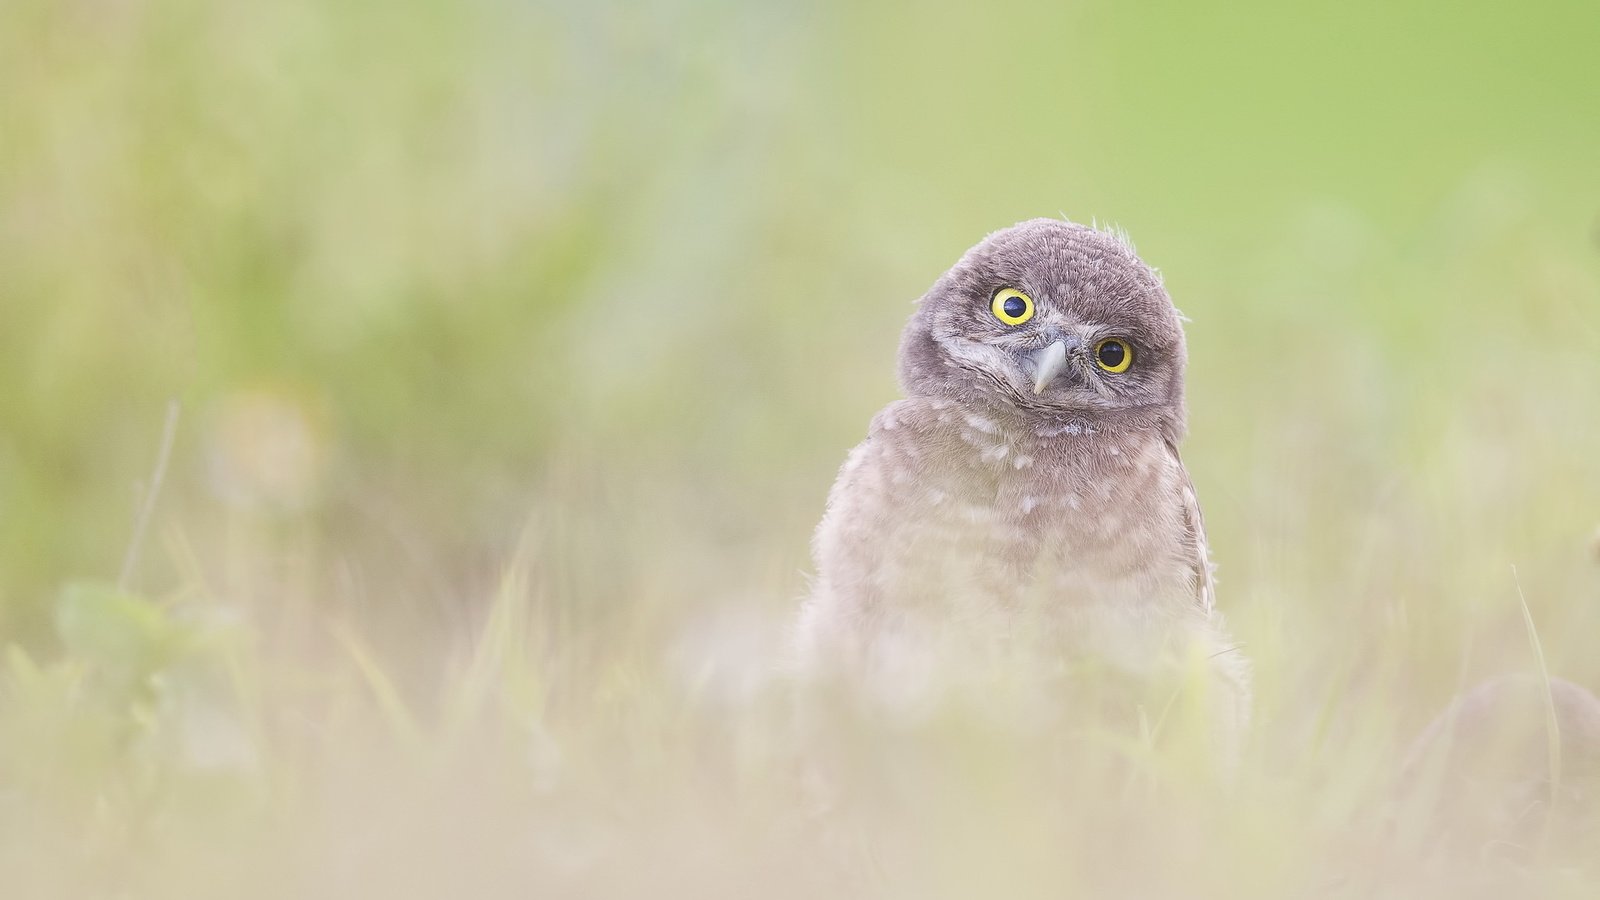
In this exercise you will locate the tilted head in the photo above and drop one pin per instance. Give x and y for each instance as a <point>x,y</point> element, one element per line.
<point>1056,321</point>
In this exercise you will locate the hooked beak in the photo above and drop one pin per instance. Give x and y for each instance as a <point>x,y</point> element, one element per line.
<point>1047,364</point>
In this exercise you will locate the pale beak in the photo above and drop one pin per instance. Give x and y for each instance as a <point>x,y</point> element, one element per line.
<point>1047,364</point>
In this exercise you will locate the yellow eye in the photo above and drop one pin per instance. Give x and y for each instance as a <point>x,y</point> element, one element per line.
<point>1012,306</point>
<point>1113,355</point>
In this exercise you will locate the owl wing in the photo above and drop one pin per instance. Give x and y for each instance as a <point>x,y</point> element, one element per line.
<point>1195,527</point>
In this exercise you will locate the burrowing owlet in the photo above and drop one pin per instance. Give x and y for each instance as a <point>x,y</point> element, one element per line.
<point>1024,508</point>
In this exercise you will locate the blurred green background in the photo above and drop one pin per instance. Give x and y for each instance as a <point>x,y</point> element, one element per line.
<point>419,272</point>
<point>437,283</point>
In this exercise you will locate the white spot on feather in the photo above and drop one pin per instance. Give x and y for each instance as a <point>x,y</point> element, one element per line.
<point>1071,426</point>
<point>987,426</point>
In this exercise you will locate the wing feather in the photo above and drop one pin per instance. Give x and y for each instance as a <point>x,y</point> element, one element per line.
<point>1195,525</point>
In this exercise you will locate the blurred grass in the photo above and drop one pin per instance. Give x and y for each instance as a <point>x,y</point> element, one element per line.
<point>560,318</point>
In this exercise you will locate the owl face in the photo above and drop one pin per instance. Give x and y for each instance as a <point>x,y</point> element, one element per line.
<point>1052,320</point>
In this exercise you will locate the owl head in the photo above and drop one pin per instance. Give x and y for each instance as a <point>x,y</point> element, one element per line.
<point>1055,322</point>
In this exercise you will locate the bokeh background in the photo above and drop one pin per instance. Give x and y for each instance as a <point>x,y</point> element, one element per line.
<point>506,352</point>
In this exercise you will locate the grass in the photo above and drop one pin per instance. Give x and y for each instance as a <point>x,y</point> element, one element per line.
<point>516,349</point>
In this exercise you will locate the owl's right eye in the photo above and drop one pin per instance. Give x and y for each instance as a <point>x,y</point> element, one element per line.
<point>1012,306</point>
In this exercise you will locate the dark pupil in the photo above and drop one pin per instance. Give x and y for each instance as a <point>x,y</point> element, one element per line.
<point>1014,307</point>
<point>1112,353</point>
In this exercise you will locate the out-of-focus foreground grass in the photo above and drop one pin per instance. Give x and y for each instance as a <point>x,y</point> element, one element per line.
<point>516,345</point>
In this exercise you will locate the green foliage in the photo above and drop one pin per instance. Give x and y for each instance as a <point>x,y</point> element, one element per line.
<point>123,639</point>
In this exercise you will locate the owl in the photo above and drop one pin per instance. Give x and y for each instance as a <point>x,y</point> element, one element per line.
<point>1023,515</point>
<point>1510,768</point>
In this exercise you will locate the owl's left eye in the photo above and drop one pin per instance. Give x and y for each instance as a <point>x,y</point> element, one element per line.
<point>1012,306</point>
<point>1114,355</point>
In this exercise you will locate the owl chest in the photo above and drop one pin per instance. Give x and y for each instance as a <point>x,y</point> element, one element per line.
<point>1049,528</point>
